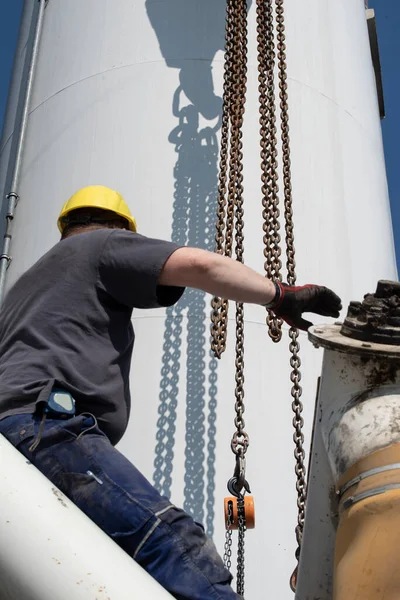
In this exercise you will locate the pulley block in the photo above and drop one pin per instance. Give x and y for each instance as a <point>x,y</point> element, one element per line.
<point>232,512</point>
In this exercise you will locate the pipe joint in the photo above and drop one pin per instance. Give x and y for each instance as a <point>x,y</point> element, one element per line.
<point>7,258</point>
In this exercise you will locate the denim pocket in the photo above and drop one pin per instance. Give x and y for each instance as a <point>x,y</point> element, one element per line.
<point>18,428</point>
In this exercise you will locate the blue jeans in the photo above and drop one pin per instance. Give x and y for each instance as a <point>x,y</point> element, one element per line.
<point>79,459</point>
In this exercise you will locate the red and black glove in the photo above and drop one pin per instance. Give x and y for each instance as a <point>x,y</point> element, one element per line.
<point>290,302</point>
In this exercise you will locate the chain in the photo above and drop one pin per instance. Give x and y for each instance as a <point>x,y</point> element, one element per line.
<point>219,315</point>
<point>228,538</point>
<point>294,346</point>
<point>230,199</point>
<point>230,185</point>
<point>271,55</point>
<point>269,168</point>
<point>230,229</point>
<point>269,162</point>
<point>241,538</point>
<point>298,438</point>
<point>240,439</point>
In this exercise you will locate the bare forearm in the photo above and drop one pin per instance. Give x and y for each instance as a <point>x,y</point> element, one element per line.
<point>217,275</point>
<point>227,278</point>
<point>231,279</point>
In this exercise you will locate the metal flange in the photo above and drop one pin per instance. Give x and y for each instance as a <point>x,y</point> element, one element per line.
<point>331,338</point>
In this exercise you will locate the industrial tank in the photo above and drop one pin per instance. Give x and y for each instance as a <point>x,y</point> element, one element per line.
<point>127,94</point>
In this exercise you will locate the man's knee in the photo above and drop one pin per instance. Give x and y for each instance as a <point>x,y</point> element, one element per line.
<point>197,546</point>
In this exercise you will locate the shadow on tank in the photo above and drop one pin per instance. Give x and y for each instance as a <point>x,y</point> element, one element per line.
<point>190,33</point>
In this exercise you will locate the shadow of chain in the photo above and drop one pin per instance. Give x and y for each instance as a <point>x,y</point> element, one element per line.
<point>195,197</point>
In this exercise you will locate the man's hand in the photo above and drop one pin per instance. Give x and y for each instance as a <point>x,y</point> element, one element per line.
<point>291,301</point>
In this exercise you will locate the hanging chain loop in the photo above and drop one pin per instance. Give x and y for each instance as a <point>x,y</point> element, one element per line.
<point>228,538</point>
<point>271,47</point>
<point>230,184</point>
<point>230,221</point>
<point>241,547</point>
<point>272,57</point>
<point>230,235</point>
<point>294,346</point>
<point>269,153</point>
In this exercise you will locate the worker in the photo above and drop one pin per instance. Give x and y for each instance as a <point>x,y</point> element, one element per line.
<point>65,352</point>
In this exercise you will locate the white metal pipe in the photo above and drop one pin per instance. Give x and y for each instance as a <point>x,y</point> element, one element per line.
<point>49,549</point>
<point>357,414</point>
<point>12,195</point>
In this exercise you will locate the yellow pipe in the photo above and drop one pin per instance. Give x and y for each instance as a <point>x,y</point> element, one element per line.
<point>368,537</point>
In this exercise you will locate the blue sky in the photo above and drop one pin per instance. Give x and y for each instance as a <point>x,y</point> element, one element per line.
<point>388,23</point>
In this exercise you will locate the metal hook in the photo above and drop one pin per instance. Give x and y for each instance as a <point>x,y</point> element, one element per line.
<point>235,489</point>
<point>238,482</point>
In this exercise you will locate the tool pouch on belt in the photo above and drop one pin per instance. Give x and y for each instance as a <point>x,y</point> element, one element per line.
<point>60,405</point>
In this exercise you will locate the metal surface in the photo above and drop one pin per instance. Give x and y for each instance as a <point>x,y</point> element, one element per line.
<point>330,337</point>
<point>12,195</point>
<point>357,414</point>
<point>127,94</point>
<point>50,549</point>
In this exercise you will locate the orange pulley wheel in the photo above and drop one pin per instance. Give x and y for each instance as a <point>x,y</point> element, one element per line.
<point>231,512</point>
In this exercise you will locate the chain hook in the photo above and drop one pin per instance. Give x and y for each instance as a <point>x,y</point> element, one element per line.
<point>238,482</point>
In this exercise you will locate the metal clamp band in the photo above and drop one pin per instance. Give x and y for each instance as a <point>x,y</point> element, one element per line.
<point>368,494</point>
<point>366,474</point>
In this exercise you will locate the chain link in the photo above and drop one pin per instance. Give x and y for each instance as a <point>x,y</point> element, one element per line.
<point>230,225</point>
<point>269,153</point>
<point>241,548</point>
<point>271,56</point>
<point>219,315</point>
<point>298,438</point>
<point>230,185</point>
<point>228,538</point>
<point>294,346</point>
<point>230,198</point>
<point>270,51</point>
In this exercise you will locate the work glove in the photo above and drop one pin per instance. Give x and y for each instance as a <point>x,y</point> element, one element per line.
<point>290,302</point>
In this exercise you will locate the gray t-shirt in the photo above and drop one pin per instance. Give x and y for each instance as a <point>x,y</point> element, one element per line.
<point>67,323</point>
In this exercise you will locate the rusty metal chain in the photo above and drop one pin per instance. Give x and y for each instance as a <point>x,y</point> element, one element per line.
<point>269,153</point>
<point>294,346</point>
<point>230,227</point>
<point>230,200</point>
<point>299,453</point>
<point>241,547</point>
<point>228,538</point>
<point>219,315</point>
<point>240,439</point>
<point>271,52</point>
<point>230,186</point>
<point>271,57</point>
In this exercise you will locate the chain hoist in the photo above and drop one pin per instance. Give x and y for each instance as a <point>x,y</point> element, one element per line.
<point>271,50</point>
<point>230,230</point>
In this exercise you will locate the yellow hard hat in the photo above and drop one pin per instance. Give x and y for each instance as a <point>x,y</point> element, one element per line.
<point>97,196</point>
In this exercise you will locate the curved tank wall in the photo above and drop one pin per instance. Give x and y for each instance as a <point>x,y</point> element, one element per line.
<point>127,94</point>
